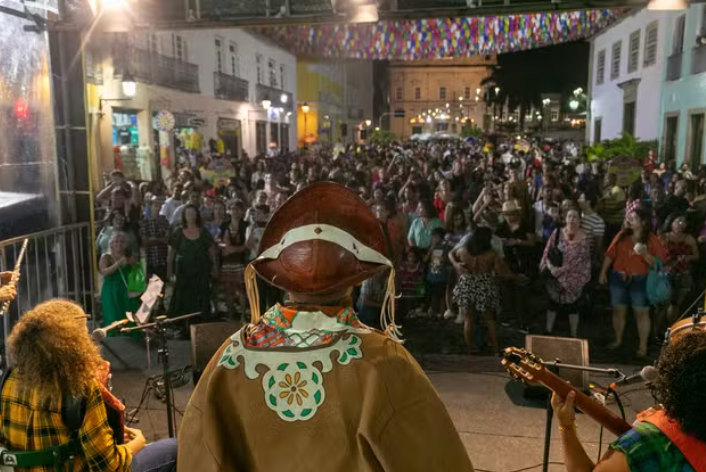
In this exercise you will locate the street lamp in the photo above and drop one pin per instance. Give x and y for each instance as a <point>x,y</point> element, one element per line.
<point>305,108</point>
<point>478,91</point>
<point>546,102</point>
<point>574,104</point>
<point>377,128</point>
<point>367,123</point>
<point>283,98</point>
<point>129,85</point>
<point>497,90</point>
<point>266,104</point>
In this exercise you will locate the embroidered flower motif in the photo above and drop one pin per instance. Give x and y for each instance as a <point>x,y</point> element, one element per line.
<point>293,389</point>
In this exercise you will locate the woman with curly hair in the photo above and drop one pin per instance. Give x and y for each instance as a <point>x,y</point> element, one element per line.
<point>680,388</point>
<point>55,359</point>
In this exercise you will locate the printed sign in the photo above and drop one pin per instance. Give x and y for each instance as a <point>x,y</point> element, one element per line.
<point>626,169</point>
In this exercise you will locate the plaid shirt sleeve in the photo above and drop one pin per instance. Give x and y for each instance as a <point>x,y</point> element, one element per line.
<point>101,452</point>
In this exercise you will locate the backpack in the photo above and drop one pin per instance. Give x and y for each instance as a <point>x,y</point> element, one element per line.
<point>659,287</point>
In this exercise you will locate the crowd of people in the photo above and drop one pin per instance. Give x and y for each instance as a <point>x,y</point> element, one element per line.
<point>474,230</point>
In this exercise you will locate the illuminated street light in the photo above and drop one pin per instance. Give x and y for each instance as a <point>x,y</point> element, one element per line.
<point>377,128</point>
<point>578,92</point>
<point>574,104</point>
<point>447,105</point>
<point>497,90</point>
<point>478,91</point>
<point>477,98</point>
<point>305,108</point>
<point>367,122</point>
<point>460,99</point>
<point>129,85</point>
<point>428,119</point>
<point>284,98</point>
<point>266,104</point>
<point>539,117</point>
<point>546,101</point>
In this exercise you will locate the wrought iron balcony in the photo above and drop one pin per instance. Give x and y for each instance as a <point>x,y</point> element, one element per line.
<point>152,68</point>
<point>698,60</point>
<point>227,87</point>
<point>674,67</point>
<point>274,95</point>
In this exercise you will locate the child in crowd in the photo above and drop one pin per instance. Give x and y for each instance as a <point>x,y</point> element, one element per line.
<point>438,272</point>
<point>254,231</point>
<point>411,279</point>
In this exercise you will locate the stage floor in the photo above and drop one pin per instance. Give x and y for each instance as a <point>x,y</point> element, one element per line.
<point>499,435</point>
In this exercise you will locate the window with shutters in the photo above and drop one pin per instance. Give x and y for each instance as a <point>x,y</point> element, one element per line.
<point>272,73</point>
<point>398,93</point>
<point>417,93</point>
<point>180,51</point>
<point>260,72</point>
<point>442,93</point>
<point>153,43</point>
<point>219,54</point>
<point>600,67</point>
<point>650,54</point>
<point>234,60</point>
<point>615,60</point>
<point>467,93</point>
<point>678,42</point>
<point>634,57</point>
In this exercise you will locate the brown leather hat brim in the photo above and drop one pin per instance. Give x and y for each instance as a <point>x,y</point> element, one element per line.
<point>317,266</point>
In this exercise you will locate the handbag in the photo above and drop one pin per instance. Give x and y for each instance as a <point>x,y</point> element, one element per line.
<point>136,284</point>
<point>659,287</point>
<point>554,255</point>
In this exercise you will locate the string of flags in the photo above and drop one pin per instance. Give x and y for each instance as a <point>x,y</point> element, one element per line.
<point>438,38</point>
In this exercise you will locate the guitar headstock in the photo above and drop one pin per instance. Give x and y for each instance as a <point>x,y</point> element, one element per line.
<point>522,364</point>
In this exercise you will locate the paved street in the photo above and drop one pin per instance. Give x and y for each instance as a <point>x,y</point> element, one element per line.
<point>499,435</point>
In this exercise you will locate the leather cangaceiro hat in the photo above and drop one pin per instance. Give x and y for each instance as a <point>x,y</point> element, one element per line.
<point>322,239</point>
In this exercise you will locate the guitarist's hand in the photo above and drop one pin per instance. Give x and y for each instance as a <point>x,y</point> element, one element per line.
<point>135,440</point>
<point>564,409</point>
<point>7,293</point>
<point>6,277</point>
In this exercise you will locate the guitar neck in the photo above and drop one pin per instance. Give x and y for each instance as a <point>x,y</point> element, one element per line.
<point>609,420</point>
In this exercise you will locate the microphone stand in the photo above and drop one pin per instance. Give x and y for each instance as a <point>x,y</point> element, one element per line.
<point>554,368</point>
<point>159,330</point>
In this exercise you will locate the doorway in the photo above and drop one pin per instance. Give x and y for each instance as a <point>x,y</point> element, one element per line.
<point>671,129</point>
<point>696,140</point>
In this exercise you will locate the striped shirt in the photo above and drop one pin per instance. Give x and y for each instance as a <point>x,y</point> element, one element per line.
<point>594,226</point>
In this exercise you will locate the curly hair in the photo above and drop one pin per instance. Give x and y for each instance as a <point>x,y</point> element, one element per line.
<point>53,351</point>
<point>681,383</point>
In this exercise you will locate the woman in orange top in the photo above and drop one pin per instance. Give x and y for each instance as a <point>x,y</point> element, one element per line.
<point>632,253</point>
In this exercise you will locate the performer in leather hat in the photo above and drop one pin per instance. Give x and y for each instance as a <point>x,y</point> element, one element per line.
<point>306,386</point>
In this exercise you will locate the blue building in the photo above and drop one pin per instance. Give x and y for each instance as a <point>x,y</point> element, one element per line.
<point>683,107</point>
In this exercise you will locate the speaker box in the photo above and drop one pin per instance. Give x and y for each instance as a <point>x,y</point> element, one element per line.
<point>567,350</point>
<point>206,339</point>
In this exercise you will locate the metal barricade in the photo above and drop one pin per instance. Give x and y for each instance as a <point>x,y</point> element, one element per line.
<point>58,264</point>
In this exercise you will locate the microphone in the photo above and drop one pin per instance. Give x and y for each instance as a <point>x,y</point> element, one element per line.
<point>100,334</point>
<point>647,374</point>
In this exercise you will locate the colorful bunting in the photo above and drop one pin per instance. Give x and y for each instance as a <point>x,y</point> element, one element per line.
<point>442,37</point>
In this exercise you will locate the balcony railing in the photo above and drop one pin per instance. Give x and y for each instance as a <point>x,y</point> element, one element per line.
<point>674,66</point>
<point>228,87</point>
<point>698,60</point>
<point>274,95</point>
<point>152,68</point>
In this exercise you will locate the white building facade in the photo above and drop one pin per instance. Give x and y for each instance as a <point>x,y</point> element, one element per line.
<point>214,83</point>
<point>627,64</point>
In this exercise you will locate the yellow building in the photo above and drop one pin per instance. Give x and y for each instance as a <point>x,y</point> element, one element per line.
<point>335,98</point>
<point>438,95</point>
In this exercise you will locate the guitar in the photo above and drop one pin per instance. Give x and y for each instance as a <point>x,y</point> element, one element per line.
<point>114,408</point>
<point>530,368</point>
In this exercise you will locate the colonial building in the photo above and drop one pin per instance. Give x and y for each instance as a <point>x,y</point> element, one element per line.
<point>335,100</point>
<point>228,87</point>
<point>439,95</point>
<point>684,90</point>
<point>627,72</point>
